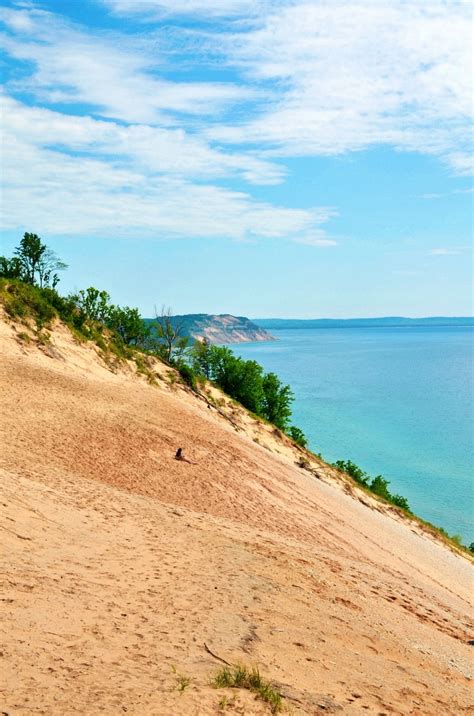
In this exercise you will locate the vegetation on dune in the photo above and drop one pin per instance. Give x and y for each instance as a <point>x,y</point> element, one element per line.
<point>28,282</point>
<point>245,381</point>
<point>241,677</point>
<point>378,485</point>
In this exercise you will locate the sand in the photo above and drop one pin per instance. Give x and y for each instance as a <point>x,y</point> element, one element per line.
<point>120,563</point>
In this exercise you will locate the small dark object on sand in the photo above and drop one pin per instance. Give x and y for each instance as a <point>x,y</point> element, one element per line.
<point>471,642</point>
<point>180,456</point>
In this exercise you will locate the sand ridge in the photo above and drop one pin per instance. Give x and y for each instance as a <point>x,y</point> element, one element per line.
<point>121,562</point>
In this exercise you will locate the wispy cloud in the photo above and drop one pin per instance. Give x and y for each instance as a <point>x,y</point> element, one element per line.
<point>209,8</point>
<point>76,175</point>
<point>448,251</point>
<point>351,75</point>
<point>435,195</point>
<point>153,150</point>
<point>115,75</point>
<point>119,147</point>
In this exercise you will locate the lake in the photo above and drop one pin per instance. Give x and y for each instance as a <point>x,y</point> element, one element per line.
<point>396,401</point>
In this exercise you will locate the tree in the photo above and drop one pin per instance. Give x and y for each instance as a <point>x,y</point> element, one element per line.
<point>30,252</point>
<point>128,323</point>
<point>39,265</point>
<point>94,304</point>
<point>48,266</point>
<point>201,357</point>
<point>277,399</point>
<point>167,337</point>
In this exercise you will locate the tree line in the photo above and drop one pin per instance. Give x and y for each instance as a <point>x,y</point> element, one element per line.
<point>243,380</point>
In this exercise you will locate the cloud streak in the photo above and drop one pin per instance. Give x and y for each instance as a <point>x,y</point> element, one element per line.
<point>75,175</point>
<point>351,75</point>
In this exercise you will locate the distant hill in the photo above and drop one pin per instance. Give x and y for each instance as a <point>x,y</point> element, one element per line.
<point>223,328</point>
<point>390,321</point>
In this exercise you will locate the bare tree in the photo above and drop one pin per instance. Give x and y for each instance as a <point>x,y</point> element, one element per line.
<point>169,339</point>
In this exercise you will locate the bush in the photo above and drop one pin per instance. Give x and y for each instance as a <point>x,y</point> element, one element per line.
<point>353,470</point>
<point>23,300</point>
<point>378,485</point>
<point>187,374</point>
<point>298,436</point>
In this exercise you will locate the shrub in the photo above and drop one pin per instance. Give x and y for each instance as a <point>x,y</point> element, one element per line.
<point>23,300</point>
<point>353,470</point>
<point>298,436</point>
<point>378,485</point>
<point>187,374</point>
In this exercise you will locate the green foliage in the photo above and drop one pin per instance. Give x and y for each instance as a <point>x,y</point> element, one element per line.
<point>298,436</point>
<point>187,374</point>
<point>353,470</point>
<point>24,301</point>
<point>244,380</point>
<point>201,358</point>
<point>378,485</point>
<point>241,677</point>
<point>10,268</point>
<point>129,325</point>
<point>94,304</point>
<point>400,501</point>
<point>277,399</point>
<point>34,263</point>
<point>471,547</point>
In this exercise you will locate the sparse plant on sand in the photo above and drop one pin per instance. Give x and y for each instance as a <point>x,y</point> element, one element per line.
<point>182,681</point>
<point>240,676</point>
<point>225,702</point>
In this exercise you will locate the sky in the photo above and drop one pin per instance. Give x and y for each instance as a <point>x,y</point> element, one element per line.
<point>267,158</point>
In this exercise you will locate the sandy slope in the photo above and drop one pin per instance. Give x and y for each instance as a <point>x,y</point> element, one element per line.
<point>121,563</point>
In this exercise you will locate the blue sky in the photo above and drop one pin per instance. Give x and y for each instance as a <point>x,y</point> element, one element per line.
<point>284,158</point>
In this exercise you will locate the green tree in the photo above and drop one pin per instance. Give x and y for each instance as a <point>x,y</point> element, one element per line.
<point>128,323</point>
<point>30,252</point>
<point>39,265</point>
<point>94,304</point>
<point>277,399</point>
<point>200,355</point>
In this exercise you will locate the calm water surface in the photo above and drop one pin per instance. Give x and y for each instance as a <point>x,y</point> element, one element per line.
<point>397,401</point>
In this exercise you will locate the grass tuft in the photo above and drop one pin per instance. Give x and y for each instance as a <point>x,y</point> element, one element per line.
<point>241,677</point>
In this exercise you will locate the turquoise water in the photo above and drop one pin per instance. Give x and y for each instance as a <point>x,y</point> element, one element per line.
<point>397,401</point>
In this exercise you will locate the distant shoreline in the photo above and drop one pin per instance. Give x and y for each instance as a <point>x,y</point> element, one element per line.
<point>395,322</point>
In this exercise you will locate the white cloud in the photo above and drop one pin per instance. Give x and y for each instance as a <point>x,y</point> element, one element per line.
<point>160,8</point>
<point>52,183</point>
<point>146,148</point>
<point>350,75</point>
<point>115,75</point>
<point>318,78</point>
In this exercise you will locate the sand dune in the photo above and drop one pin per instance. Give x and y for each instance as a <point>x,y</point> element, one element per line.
<point>121,563</point>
